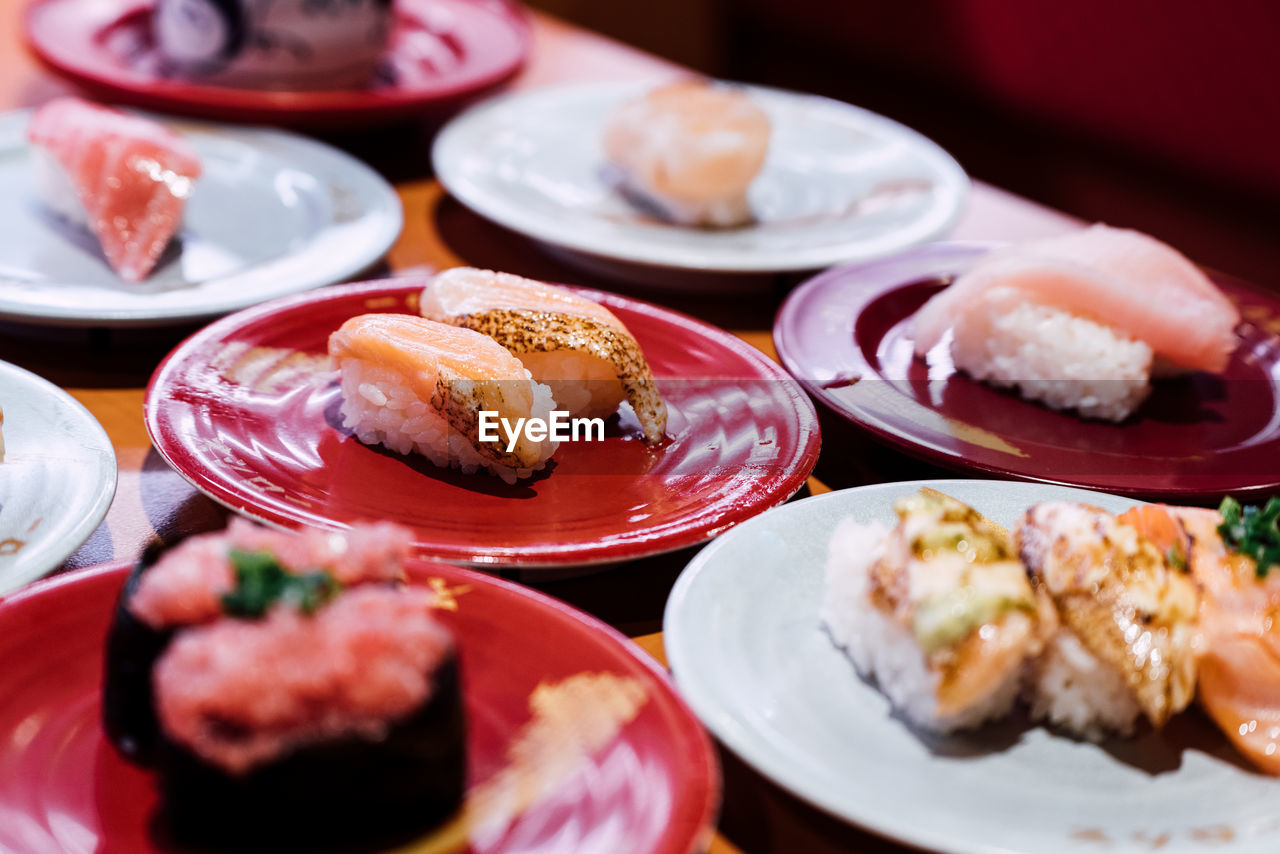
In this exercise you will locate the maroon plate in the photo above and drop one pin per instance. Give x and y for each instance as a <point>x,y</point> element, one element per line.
<point>845,335</point>
<point>648,776</point>
<point>441,52</point>
<point>247,410</point>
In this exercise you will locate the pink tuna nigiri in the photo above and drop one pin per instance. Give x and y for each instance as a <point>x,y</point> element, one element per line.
<point>125,177</point>
<point>1118,278</point>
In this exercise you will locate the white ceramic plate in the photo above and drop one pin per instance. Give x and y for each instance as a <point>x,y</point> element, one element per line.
<point>274,213</point>
<point>840,183</point>
<point>749,655</point>
<point>57,479</point>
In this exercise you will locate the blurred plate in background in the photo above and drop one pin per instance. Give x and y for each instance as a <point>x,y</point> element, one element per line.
<point>273,213</point>
<point>840,183</point>
<point>57,478</point>
<point>442,52</point>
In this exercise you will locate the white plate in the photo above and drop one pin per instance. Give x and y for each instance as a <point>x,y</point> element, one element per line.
<point>273,213</point>
<point>742,634</point>
<point>57,479</point>
<point>840,183</point>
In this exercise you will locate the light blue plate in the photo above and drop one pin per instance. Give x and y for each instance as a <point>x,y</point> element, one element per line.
<point>273,213</point>
<point>749,655</point>
<point>57,478</point>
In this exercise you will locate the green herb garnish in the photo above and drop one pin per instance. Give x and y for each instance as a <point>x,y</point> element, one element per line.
<point>1252,531</point>
<point>262,582</point>
<point>1174,557</point>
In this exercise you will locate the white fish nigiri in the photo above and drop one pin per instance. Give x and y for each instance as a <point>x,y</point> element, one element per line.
<point>1119,278</point>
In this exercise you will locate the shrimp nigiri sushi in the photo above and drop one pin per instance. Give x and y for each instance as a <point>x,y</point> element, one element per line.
<point>937,609</point>
<point>1233,554</point>
<point>1127,637</point>
<point>691,150</point>
<point>412,384</point>
<point>126,178</point>
<point>576,346</point>
<point>1082,321</point>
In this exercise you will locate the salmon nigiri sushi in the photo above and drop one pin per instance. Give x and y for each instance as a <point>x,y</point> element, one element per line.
<point>412,384</point>
<point>1233,553</point>
<point>576,346</point>
<point>1082,321</point>
<point>126,178</point>
<point>691,150</point>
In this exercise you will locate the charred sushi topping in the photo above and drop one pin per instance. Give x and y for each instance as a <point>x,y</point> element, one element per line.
<point>973,576</point>
<point>1252,531</point>
<point>261,582</point>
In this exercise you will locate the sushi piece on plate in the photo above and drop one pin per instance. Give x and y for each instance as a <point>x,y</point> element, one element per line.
<point>1082,321</point>
<point>575,346</point>
<point>126,178</point>
<point>287,686</point>
<point>412,384</point>
<point>1127,639</point>
<point>937,609</point>
<point>1234,555</point>
<point>690,150</point>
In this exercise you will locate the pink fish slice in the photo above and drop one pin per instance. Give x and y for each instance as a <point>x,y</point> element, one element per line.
<point>126,178</point>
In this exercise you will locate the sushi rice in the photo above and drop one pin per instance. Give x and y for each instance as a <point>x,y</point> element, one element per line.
<point>381,409</point>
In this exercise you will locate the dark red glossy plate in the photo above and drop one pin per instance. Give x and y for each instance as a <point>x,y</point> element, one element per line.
<point>608,760</point>
<point>845,335</point>
<point>441,52</point>
<point>247,410</point>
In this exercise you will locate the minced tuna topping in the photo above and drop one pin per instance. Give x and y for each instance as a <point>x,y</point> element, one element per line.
<point>239,693</point>
<point>189,585</point>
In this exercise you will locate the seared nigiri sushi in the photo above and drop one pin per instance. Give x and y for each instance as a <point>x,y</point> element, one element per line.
<point>690,149</point>
<point>289,680</point>
<point>1127,638</point>
<point>1082,321</point>
<point>1233,553</point>
<point>576,346</point>
<point>412,384</point>
<point>126,178</point>
<point>937,609</point>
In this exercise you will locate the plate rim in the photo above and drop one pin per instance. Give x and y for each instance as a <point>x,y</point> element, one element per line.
<point>510,216</point>
<point>96,510</point>
<point>551,557</point>
<point>384,215</point>
<point>684,721</point>
<point>726,728</point>
<point>323,108</point>
<point>790,310</point>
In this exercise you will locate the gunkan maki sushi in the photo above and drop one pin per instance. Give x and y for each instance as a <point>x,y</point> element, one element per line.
<point>287,687</point>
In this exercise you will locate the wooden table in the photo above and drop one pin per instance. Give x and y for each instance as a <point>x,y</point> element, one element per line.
<point>107,371</point>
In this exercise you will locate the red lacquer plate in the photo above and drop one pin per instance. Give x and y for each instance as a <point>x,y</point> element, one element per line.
<point>652,784</point>
<point>846,336</point>
<point>441,52</point>
<point>247,410</point>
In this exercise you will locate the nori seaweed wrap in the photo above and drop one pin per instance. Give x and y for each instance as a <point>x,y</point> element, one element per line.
<point>305,777</point>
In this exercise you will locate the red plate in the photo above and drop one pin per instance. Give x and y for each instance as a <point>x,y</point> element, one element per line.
<point>845,335</point>
<point>442,51</point>
<point>653,785</point>
<point>246,410</point>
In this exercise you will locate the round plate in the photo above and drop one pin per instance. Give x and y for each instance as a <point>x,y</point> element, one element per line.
<point>839,183</point>
<point>273,213</point>
<point>653,782</point>
<point>57,478</point>
<point>748,652</point>
<point>247,410</point>
<point>846,336</point>
<point>441,52</point>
